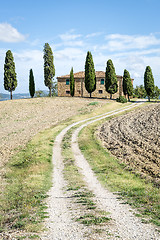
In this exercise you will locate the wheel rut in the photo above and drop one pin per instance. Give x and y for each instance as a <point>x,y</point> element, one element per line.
<point>60,224</point>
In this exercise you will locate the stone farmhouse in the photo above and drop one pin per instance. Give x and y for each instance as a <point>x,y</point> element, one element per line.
<point>80,91</point>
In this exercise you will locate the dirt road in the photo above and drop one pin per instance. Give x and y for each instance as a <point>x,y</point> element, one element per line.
<point>124,224</point>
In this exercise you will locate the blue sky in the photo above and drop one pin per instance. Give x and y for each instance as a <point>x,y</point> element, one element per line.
<point>125,31</point>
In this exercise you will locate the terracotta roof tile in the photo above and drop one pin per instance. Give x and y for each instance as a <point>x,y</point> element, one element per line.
<point>100,74</point>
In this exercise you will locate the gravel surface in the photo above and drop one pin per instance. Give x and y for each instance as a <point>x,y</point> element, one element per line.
<point>60,224</point>
<point>124,223</point>
<point>22,119</point>
<point>135,139</point>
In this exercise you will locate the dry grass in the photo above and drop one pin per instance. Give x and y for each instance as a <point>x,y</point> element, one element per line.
<point>21,119</point>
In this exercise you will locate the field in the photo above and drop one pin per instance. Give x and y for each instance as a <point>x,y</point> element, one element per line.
<point>20,120</point>
<point>28,131</point>
<point>135,139</point>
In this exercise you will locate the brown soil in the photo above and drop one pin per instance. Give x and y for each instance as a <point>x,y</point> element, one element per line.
<point>21,119</point>
<point>135,139</point>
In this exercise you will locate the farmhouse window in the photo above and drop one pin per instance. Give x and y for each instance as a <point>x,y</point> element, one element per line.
<point>67,92</point>
<point>102,81</point>
<point>100,91</point>
<point>67,81</point>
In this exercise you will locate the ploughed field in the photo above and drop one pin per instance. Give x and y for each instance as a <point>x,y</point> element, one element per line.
<point>135,139</point>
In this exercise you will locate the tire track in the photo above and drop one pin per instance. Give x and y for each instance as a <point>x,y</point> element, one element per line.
<point>125,224</point>
<point>60,224</point>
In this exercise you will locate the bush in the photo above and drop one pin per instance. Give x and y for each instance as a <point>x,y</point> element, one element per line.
<point>121,99</point>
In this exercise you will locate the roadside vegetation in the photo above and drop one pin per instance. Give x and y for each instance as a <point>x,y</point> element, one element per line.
<point>142,195</point>
<point>28,178</point>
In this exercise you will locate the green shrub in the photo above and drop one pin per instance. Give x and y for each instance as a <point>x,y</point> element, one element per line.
<point>121,99</point>
<point>93,103</point>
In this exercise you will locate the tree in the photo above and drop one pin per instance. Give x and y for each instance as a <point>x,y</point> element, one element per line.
<point>149,82</point>
<point>127,84</point>
<point>90,76</point>
<point>139,92</point>
<point>110,79</point>
<point>71,82</point>
<point>156,92</point>
<point>10,80</point>
<point>31,84</point>
<point>49,69</point>
<point>54,89</point>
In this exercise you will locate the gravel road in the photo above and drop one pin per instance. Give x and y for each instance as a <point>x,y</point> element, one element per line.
<point>124,225</point>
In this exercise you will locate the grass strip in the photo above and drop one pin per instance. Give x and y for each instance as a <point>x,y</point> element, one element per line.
<point>89,213</point>
<point>28,179</point>
<point>112,174</point>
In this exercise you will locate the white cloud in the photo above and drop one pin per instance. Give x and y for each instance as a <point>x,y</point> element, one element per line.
<point>118,42</point>
<point>10,34</point>
<point>96,34</point>
<point>136,53</point>
<point>69,36</point>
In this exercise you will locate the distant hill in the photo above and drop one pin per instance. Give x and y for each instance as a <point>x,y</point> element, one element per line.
<point>4,96</point>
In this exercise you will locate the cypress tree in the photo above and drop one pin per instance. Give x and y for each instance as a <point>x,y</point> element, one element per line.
<point>31,83</point>
<point>149,82</point>
<point>49,69</point>
<point>10,80</point>
<point>90,76</point>
<point>127,84</point>
<point>110,79</point>
<point>71,82</point>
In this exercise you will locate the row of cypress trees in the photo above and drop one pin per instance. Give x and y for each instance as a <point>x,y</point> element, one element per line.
<point>111,84</point>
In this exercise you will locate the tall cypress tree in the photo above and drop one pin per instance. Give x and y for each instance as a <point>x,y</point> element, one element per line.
<point>127,84</point>
<point>10,80</point>
<point>90,76</point>
<point>110,79</point>
<point>149,82</point>
<point>31,83</point>
<point>71,82</point>
<point>49,69</point>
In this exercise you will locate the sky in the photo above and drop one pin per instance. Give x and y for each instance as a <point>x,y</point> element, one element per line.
<point>126,31</point>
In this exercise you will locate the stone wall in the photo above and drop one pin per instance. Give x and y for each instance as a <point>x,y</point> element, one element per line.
<point>80,91</point>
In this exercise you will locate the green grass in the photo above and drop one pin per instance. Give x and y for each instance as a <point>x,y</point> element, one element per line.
<point>137,192</point>
<point>93,103</point>
<point>89,219</point>
<point>28,178</point>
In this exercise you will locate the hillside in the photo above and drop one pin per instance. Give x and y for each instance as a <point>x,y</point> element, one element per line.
<point>21,119</point>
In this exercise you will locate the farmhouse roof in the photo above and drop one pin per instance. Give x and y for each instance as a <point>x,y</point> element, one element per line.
<point>81,74</point>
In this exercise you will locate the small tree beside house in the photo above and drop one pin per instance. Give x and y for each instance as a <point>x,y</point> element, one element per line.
<point>31,84</point>
<point>71,82</point>
<point>127,84</point>
<point>10,80</point>
<point>110,79</point>
<point>90,76</point>
<point>149,82</point>
<point>49,69</point>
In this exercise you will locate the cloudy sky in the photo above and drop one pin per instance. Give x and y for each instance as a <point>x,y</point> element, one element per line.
<point>126,31</point>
